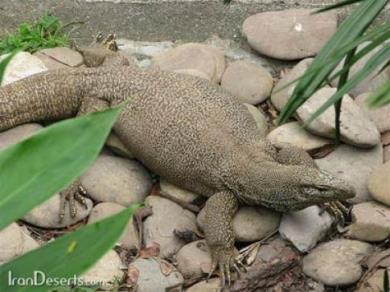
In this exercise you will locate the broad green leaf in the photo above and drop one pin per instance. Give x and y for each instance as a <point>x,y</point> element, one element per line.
<point>381,96</point>
<point>4,63</point>
<point>36,168</point>
<point>67,256</point>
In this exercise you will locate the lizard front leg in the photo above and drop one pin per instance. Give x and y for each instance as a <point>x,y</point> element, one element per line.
<point>219,212</point>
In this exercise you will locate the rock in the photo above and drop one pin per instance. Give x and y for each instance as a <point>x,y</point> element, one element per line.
<point>64,55</point>
<point>168,217</point>
<point>143,49</point>
<point>260,119</point>
<point>305,228</point>
<point>281,92</point>
<point>289,34</point>
<point>337,262</point>
<point>117,180</point>
<point>194,259</point>
<point>294,134</point>
<point>17,134</point>
<point>171,190</point>
<point>248,82</point>
<point>115,144</point>
<point>212,285</point>
<point>47,214</point>
<point>155,275</point>
<point>379,184</point>
<point>380,116</point>
<point>386,154</point>
<point>15,241</point>
<point>373,80</point>
<point>370,222</point>
<point>23,64</point>
<point>129,238</point>
<point>374,283</point>
<point>193,56</point>
<point>355,126</point>
<point>50,63</point>
<point>250,223</point>
<point>354,165</point>
<point>107,270</point>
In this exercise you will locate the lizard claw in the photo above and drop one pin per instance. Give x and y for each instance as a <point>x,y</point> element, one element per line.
<point>336,209</point>
<point>75,192</point>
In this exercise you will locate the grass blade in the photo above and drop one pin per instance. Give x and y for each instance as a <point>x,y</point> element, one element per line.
<point>4,63</point>
<point>380,97</point>
<point>338,5</point>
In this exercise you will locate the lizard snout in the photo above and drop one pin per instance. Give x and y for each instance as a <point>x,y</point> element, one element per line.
<point>336,187</point>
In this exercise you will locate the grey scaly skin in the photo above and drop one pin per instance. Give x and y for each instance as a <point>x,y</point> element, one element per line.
<point>192,133</point>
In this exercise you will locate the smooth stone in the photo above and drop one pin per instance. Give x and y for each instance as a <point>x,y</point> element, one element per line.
<point>50,63</point>
<point>373,81</point>
<point>379,184</point>
<point>248,82</point>
<point>144,49</point>
<point>370,222</point>
<point>47,214</point>
<point>289,34</point>
<point>15,241</point>
<point>386,154</point>
<point>354,165</point>
<point>117,180</point>
<point>355,126</point>
<point>305,228</point>
<point>380,116</point>
<point>212,285</point>
<point>150,275</point>
<point>193,56</point>
<point>194,259</point>
<point>108,270</point>
<point>283,89</point>
<point>294,134</point>
<point>129,238</point>
<point>64,55</point>
<point>167,218</point>
<point>180,194</point>
<point>374,282</point>
<point>115,145</point>
<point>260,119</point>
<point>22,65</point>
<point>337,262</point>
<point>17,134</point>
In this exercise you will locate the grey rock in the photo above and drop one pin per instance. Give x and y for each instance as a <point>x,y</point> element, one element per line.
<point>380,116</point>
<point>194,259</point>
<point>337,262</point>
<point>64,55</point>
<point>374,282</point>
<point>182,195</point>
<point>386,154</point>
<point>213,285</point>
<point>305,228</point>
<point>50,63</point>
<point>17,134</point>
<point>129,238</point>
<point>260,119</point>
<point>167,218</point>
<point>248,82</point>
<point>155,275</point>
<point>117,180</point>
<point>294,134</point>
<point>370,222</point>
<point>289,34</point>
<point>143,49</point>
<point>354,165</point>
<point>116,146</point>
<point>379,184</point>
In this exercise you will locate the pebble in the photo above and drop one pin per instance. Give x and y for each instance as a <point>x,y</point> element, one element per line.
<point>374,283</point>
<point>50,63</point>
<point>354,165</point>
<point>380,116</point>
<point>379,184</point>
<point>194,259</point>
<point>337,262</point>
<point>117,180</point>
<point>115,145</point>
<point>22,65</point>
<point>143,49</point>
<point>212,285</point>
<point>248,82</point>
<point>46,215</point>
<point>370,222</point>
<point>305,228</point>
<point>17,134</point>
<point>193,56</point>
<point>260,119</point>
<point>180,194</point>
<point>386,154</point>
<point>155,275</point>
<point>294,134</point>
<point>129,238</point>
<point>289,34</point>
<point>15,241</point>
<point>108,270</point>
<point>64,55</point>
<point>167,218</point>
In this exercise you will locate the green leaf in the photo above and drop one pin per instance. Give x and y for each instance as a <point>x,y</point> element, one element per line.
<point>381,96</point>
<point>338,5</point>
<point>36,168</point>
<point>67,256</point>
<point>4,63</point>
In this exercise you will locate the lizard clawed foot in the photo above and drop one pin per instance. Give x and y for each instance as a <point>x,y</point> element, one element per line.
<point>75,192</point>
<point>336,209</point>
<point>225,259</point>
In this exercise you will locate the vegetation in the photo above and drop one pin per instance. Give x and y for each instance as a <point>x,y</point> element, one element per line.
<point>47,32</point>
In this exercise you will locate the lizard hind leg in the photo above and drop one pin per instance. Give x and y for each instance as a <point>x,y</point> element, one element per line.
<point>70,195</point>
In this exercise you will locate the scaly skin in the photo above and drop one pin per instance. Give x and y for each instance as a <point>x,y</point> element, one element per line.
<point>192,133</point>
